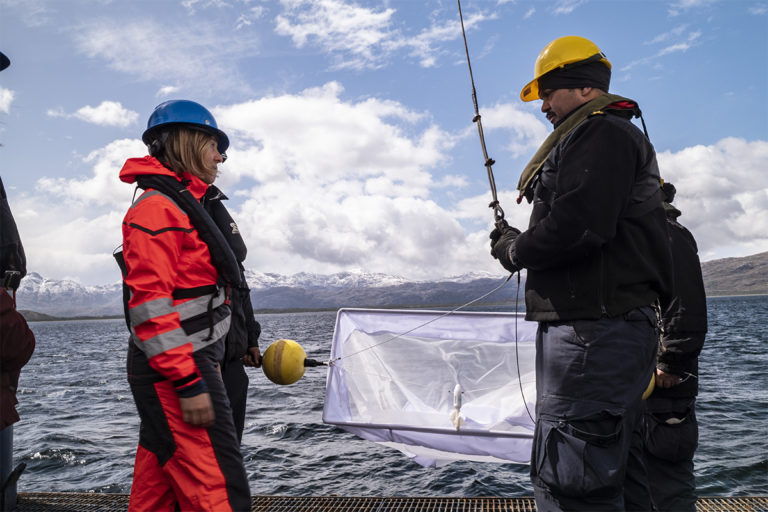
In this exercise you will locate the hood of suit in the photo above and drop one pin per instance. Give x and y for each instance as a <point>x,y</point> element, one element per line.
<point>149,165</point>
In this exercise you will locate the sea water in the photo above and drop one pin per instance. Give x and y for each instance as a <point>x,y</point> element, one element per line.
<point>79,426</point>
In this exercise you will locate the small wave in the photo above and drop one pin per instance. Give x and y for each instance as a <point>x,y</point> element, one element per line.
<point>68,457</point>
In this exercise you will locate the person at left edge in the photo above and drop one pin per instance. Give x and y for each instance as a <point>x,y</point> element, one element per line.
<point>17,342</point>
<point>178,273</point>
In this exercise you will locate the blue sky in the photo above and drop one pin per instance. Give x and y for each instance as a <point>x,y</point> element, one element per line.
<point>353,146</point>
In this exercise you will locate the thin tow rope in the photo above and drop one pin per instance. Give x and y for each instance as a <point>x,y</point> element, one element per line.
<point>396,336</point>
<point>498,213</point>
<point>517,355</point>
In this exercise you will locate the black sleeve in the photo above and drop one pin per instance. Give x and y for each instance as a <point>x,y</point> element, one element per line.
<point>684,314</point>
<point>595,173</point>
<point>252,326</point>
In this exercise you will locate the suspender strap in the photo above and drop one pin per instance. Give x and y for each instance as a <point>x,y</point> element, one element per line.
<point>191,293</point>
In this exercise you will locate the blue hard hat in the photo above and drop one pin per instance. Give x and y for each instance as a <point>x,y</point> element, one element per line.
<point>184,113</point>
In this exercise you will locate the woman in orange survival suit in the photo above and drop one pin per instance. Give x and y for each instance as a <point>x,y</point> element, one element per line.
<point>177,277</point>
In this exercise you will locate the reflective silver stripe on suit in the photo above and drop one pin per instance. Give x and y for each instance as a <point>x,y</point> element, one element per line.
<point>150,193</point>
<point>199,305</point>
<point>177,337</point>
<point>150,309</point>
<point>159,307</point>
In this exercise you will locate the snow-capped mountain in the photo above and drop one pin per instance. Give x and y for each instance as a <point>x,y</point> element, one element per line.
<point>65,298</point>
<point>349,279</point>
<point>260,280</point>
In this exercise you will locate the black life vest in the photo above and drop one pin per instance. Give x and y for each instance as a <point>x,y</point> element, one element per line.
<point>221,253</point>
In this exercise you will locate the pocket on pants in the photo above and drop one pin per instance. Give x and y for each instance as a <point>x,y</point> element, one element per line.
<point>581,457</point>
<point>671,437</point>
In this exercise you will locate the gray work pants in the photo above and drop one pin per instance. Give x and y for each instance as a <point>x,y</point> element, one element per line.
<point>671,435</point>
<point>587,446</point>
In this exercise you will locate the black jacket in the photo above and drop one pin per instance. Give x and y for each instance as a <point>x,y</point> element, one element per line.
<point>13,262</point>
<point>684,314</point>
<point>589,250</point>
<point>244,331</point>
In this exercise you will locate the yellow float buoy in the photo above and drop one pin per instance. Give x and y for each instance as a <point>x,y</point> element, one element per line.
<point>283,362</point>
<point>651,387</point>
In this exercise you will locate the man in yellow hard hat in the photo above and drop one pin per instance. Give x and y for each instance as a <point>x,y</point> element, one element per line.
<point>597,259</point>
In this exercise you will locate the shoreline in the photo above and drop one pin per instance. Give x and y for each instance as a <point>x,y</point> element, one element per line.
<point>34,316</point>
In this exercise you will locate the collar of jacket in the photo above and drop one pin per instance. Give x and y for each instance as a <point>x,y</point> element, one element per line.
<point>606,101</point>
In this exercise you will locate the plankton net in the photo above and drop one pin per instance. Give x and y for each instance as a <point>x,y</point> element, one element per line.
<point>437,386</point>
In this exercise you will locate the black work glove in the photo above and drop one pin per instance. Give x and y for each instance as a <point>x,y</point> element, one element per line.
<point>502,238</point>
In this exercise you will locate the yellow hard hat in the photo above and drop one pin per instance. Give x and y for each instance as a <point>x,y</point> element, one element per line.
<point>558,54</point>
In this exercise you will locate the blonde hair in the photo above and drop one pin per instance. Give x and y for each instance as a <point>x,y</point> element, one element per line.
<point>183,151</point>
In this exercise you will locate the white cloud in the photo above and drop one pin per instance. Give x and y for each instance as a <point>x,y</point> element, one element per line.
<point>6,98</point>
<point>667,35</point>
<point>192,5</point>
<point>684,43</point>
<point>323,184</point>
<point>722,190</point>
<point>344,184</point>
<point>167,90</point>
<point>60,241</point>
<point>682,46</point>
<point>78,226</point>
<point>360,38</point>
<point>679,7</point>
<point>149,50</point>
<point>567,6</point>
<point>314,136</point>
<point>758,9</point>
<point>526,130</point>
<point>451,180</point>
<point>103,187</point>
<point>338,28</point>
<point>422,45</point>
<point>107,113</point>
<point>56,112</point>
<point>35,13</point>
<point>247,18</point>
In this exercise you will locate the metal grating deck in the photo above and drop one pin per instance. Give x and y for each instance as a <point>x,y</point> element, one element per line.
<point>102,502</point>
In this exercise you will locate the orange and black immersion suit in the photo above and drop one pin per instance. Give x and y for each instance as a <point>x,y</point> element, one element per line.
<point>178,316</point>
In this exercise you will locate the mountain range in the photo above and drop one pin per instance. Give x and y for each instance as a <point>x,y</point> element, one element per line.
<point>40,298</point>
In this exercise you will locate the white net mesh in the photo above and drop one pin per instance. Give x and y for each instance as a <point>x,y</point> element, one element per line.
<point>448,390</point>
